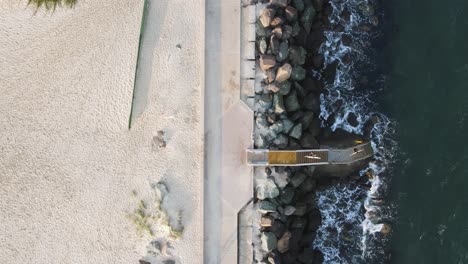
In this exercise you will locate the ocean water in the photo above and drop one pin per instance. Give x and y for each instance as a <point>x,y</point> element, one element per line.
<point>352,215</point>
<point>426,92</point>
<point>409,75</point>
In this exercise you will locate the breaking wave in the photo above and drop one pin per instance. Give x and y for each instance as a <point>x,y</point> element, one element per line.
<point>354,215</point>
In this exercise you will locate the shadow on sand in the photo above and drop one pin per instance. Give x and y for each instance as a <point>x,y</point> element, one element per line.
<point>153,17</point>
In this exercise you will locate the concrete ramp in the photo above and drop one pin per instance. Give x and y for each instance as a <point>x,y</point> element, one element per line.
<point>265,157</point>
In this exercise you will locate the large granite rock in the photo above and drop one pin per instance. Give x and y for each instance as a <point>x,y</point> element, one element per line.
<point>278,228</point>
<point>318,60</point>
<point>267,61</point>
<point>307,256</point>
<point>311,85</point>
<point>283,242</point>
<point>314,219</point>
<point>261,142</point>
<point>309,142</point>
<point>266,207</point>
<point>277,21</point>
<point>266,189</point>
<point>281,178</point>
<point>287,32</point>
<point>296,29</point>
<point>289,210</point>
<point>285,88</point>
<point>274,87</point>
<point>278,104</point>
<point>307,18</point>
<point>266,221</point>
<point>297,179</point>
<point>298,223</point>
<point>281,3</point>
<point>296,131</point>
<point>261,122</point>
<point>266,16</point>
<point>291,102</point>
<point>268,241</point>
<point>314,127</point>
<point>270,75</point>
<point>284,72</point>
<point>291,13</point>
<point>308,185</point>
<point>301,209</point>
<point>297,55</point>
<point>262,45</point>
<point>261,31</point>
<point>287,195</point>
<point>298,73</point>
<point>276,128</point>
<point>263,103</point>
<point>288,125</point>
<point>312,103</point>
<point>277,32</point>
<point>308,239</point>
<point>274,43</point>
<point>298,4</point>
<point>307,119</point>
<point>283,52</point>
<point>281,141</point>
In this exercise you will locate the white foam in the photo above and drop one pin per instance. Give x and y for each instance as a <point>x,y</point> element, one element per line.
<point>342,204</point>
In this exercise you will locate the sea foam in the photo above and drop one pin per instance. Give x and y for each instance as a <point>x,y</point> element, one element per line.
<point>352,216</point>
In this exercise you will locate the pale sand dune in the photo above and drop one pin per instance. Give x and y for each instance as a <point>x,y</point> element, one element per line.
<point>68,162</point>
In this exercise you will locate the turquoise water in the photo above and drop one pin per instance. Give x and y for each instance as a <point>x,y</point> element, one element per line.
<point>427,94</point>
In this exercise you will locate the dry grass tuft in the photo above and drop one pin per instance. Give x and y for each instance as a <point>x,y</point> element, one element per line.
<point>52,4</point>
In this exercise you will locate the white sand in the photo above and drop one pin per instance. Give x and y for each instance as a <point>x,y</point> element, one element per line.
<point>68,163</point>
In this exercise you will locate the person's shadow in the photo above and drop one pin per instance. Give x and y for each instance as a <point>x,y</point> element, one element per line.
<point>153,20</point>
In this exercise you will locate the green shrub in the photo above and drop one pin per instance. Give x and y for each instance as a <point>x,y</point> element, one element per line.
<point>52,4</point>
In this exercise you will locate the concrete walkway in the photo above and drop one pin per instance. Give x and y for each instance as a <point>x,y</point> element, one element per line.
<point>304,157</point>
<point>228,127</point>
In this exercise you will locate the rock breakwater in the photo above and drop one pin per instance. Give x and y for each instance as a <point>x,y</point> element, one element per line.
<point>307,52</point>
<point>287,109</point>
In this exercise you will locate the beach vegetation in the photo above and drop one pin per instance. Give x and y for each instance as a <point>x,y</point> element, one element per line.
<point>149,216</point>
<point>51,5</point>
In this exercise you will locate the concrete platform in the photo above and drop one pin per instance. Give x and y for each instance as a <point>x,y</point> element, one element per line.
<point>228,131</point>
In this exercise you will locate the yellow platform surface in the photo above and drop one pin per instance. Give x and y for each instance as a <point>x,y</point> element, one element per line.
<point>282,157</point>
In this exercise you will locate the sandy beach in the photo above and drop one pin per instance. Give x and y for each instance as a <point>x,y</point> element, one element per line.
<point>69,163</point>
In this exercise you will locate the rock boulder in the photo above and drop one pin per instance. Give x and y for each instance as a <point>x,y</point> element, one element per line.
<point>267,16</point>
<point>283,242</point>
<point>284,72</point>
<point>266,189</point>
<point>268,241</point>
<point>267,62</point>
